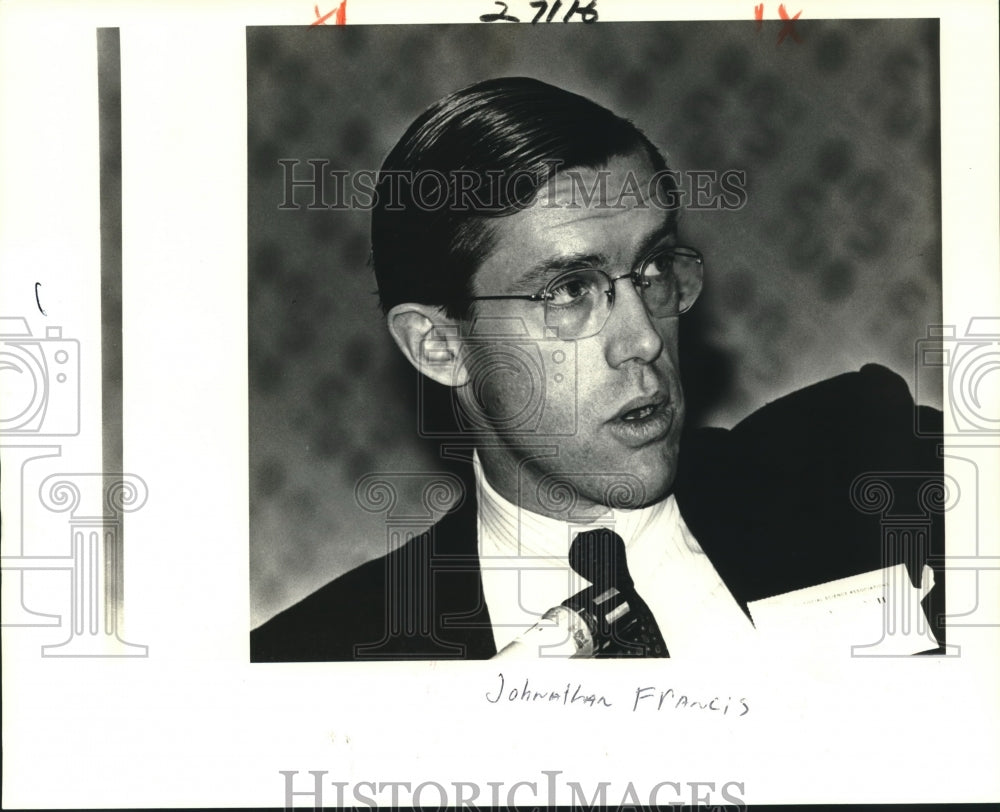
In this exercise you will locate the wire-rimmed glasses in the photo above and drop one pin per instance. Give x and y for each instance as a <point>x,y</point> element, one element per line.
<point>578,302</point>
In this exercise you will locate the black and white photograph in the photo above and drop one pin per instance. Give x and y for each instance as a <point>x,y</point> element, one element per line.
<point>442,335</point>
<point>523,404</point>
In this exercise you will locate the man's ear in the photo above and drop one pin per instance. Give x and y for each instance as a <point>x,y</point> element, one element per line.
<point>430,341</point>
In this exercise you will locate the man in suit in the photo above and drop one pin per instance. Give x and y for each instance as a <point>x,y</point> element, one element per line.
<point>525,244</point>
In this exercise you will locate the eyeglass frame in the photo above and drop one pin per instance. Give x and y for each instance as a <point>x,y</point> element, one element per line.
<point>637,277</point>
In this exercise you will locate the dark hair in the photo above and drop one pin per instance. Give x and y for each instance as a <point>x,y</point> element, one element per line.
<point>507,137</point>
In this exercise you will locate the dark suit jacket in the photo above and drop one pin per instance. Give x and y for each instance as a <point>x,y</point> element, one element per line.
<point>793,496</point>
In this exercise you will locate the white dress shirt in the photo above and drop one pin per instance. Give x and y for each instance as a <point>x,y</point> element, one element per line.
<point>525,571</point>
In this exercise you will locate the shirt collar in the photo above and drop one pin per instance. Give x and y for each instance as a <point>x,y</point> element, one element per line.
<point>511,530</point>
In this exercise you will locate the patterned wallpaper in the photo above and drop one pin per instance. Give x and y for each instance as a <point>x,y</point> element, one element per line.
<point>833,262</point>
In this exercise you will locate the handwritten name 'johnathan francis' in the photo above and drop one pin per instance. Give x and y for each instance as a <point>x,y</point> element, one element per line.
<point>576,694</point>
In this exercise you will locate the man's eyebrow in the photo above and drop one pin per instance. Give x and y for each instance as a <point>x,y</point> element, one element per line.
<point>536,277</point>
<point>666,234</point>
<point>539,274</point>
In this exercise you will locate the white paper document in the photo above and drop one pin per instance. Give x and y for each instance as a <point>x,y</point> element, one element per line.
<point>877,613</point>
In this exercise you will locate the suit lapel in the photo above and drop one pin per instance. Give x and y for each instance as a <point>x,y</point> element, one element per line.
<point>462,617</point>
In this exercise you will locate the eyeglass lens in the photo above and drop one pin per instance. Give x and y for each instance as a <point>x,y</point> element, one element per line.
<point>578,303</point>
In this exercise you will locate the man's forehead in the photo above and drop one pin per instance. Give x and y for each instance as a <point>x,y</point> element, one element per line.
<point>615,225</point>
<point>626,181</point>
<point>617,201</point>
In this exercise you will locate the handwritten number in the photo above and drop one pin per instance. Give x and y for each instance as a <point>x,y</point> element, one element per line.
<point>788,29</point>
<point>502,15</point>
<point>588,13</point>
<point>541,5</point>
<point>339,15</point>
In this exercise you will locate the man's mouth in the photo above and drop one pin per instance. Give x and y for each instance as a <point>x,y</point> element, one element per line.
<point>640,413</point>
<point>643,420</point>
<point>640,408</point>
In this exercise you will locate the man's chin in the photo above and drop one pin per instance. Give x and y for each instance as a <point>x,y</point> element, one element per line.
<point>587,484</point>
<point>629,497</point>
<point>579,497</point>
<point>632,486</point>
<point>651,473</point>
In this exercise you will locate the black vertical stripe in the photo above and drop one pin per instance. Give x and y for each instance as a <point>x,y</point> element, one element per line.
<point>110,133</point>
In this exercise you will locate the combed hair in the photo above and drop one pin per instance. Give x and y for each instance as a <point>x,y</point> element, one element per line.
<point>508,136</point>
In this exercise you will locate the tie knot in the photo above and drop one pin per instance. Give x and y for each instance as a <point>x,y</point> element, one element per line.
<point>599,557</point>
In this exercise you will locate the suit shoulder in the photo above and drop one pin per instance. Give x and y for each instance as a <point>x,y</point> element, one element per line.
<point>874,393</point>
<point>867,417</point>
<point>775,497</point>
<point>325,625</point>
<point>358,608</point>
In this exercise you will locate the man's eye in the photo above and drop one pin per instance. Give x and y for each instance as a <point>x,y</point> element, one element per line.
<point>661,264</point>
<point>571,290</point>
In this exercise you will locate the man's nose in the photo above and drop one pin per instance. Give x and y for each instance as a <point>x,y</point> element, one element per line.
<point>630,333</point>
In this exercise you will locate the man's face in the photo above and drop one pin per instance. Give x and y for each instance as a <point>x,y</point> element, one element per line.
<point>607,409</point>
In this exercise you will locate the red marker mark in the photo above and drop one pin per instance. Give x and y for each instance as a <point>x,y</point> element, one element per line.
<point>758,15</point>
<point>787,29</point>
<point>339,15</point>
